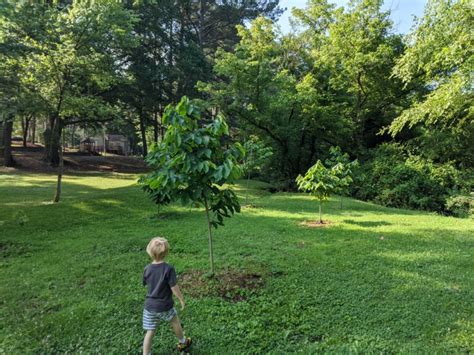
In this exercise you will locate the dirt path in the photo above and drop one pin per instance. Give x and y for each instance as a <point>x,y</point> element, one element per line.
<point>30,159</point>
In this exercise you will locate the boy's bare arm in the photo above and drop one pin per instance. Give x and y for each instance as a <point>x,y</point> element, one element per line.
<point>179,296</point>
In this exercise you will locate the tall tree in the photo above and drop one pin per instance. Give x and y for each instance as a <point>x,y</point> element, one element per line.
<point>177,44</point>
<point>272,94</point>
<point>440,55</point>
<point>214,22</point>
<point>6,128</point>
<point>356,67</point>
<point>73,61</point>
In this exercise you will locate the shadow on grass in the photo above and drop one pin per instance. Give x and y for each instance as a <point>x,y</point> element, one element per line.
<point>403,288</point>
<point>341,282</point>
<point>293,201</point>
<point>367,224</point>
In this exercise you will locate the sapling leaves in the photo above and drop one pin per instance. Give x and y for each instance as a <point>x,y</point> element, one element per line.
<point>192,165</point>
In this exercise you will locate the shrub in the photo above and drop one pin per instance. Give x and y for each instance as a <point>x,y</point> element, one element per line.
<point>392,177</point>
<point>461,205</point>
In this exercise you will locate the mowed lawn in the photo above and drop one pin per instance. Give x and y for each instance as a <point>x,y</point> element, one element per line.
<point>375,280</point>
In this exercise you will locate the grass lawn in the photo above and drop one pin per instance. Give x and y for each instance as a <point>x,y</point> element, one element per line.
<point>375,280</point>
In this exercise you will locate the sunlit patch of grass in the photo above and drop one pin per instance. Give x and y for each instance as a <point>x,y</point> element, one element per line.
<point>376,280</point>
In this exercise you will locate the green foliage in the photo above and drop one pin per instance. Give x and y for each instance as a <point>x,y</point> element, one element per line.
<point>342,167</point>
<point>353,50</point>
<point>306,92</point>
<point>194,161</point>
<point>320,182</point>
<point>461,205</point>
<point>440,54</point>
<point>66,61</point>
<point>72,59</point>
<point>395,178</point>
<point>257,156</point>
<point>273,99</point>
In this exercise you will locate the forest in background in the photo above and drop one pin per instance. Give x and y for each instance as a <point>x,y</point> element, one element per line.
<point>400,105</point>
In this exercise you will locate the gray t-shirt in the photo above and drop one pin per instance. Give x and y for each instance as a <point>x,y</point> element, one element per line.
<point>159,278</point>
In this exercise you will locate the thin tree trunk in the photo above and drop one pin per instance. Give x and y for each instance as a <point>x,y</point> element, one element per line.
<point>209,227</point>
<point>25,123</point>
<point>7,141</point>
<point>201,22</point>
<point>53,140</point>
<point>57,195</point>
<point>143,133</point>
<point>248,178</point>
<point>73,132</point>
<point>162,128</point>
<point>33,131</point>
<point>156,130</point>
<point>320,219</point>
<point>341,202</point>
<point>1,138</point>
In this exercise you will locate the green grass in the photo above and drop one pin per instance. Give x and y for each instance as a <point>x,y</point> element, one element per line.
<point>71,273</point>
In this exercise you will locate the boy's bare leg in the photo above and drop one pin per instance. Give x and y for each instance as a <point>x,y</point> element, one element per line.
<point>178,330</point>
<point>147,341</point>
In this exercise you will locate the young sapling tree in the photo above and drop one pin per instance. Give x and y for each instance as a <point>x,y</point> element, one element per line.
<point>257,156</point>
<point>193,162</point>
<point>342,167</point>
<point>320,182</point>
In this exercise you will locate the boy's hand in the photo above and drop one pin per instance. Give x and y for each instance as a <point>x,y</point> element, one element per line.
<point>178,295</point>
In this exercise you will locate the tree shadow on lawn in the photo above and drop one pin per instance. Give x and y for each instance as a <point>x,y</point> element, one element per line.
<point>339,282</point>
<point>286,202</point>
<point>367,224</point>
<point>80,208</point>
<point>403,288</point>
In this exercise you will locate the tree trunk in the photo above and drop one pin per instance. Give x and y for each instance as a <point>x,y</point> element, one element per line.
<point>7,141</point>
<point>341,202</point>
<point>209,228</point>
<point>202,10</point>
<point>143,133</point>
<point>57,195</point>
<point>320,218</point>
<point>156,129</point>
<point>73,132</point>
<point>52,137</point>
<point>25,123</point>
<point>1,139</point>
<point>33,131</point>
<point>162,128</point>
<point>248,176</point>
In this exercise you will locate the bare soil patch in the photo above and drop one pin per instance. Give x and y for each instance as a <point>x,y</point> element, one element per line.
<point>31,159</point>
<point>316,224</point>
<point>231,285</point>
<point>250,206</point>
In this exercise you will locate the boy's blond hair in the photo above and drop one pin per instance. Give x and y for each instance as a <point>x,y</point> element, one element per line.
<point>158,248</point>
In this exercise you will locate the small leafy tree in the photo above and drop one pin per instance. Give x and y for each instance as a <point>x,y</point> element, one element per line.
<point>257,156</point>
<point>193,162</point>
<point>343,168</point>
<point>320,182</point>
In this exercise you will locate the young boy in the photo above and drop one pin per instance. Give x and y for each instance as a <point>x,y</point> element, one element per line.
<point>160,278</point>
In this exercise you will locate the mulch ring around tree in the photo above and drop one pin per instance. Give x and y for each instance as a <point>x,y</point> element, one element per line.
<point>316,224</point>
<point>230,285</point>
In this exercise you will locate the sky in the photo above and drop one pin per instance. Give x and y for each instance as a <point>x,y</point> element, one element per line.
<point>402,12</point>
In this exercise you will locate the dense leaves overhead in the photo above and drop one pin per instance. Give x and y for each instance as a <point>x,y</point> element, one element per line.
<point>194,161</point>
<point>440,54</point>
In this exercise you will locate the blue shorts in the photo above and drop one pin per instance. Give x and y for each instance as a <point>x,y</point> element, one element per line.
<point>151,319</point>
